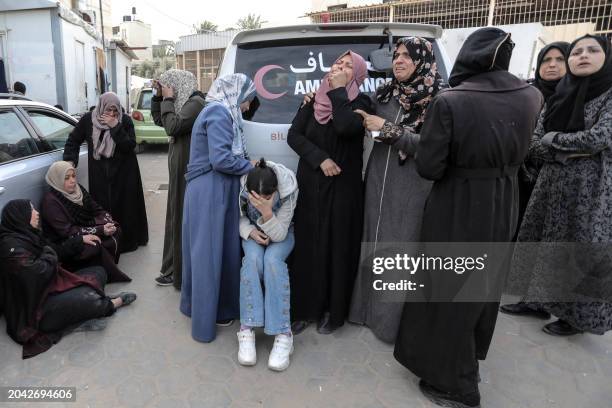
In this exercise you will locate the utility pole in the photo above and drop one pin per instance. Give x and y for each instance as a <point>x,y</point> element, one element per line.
<point>102,26</point>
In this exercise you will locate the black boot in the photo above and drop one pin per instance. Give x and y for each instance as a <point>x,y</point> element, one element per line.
<point>560,328</point>
<point>324,326</point>
<point>523,309</point>
<point>299,326</point>
<point>447,399</point>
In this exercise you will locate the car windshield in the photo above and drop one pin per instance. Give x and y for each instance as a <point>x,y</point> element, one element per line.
<point>145,99</point>
<point>283,71</point>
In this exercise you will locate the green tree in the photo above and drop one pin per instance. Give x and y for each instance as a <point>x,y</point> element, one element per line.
<point>250,22</point>
<point>205,27</point>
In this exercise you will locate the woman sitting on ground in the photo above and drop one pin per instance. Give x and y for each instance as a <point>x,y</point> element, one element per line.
<point>267,200</point>
<point>41,300</point>
<point>68,210</point>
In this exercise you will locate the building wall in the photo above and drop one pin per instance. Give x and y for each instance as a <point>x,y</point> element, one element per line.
<point>29,51</point>
<point>95,6</point>
<point>72,35</point>
<point>203,64</point>
<point>118,63</point>
<point>138,34</point>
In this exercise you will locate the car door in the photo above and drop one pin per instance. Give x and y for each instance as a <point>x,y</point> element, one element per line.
<point>22,164</point>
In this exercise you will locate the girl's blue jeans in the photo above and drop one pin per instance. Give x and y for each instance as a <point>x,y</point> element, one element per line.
<point>264,285</point>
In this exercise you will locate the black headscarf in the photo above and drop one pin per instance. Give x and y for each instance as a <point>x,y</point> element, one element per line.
<point>565,111</point>
<point>414,94</point>
<point>16,216</point>
<point>486,49</point>
<point>548,87</point>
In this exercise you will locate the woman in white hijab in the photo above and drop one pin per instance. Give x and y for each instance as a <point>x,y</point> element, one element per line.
<point>211,241</point>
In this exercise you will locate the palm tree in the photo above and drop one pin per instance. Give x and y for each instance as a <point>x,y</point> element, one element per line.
<point>205,27</point>
<point>250,22</point>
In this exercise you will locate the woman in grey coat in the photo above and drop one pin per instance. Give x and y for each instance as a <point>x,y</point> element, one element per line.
<point>175,107</point>
<point>570,210</point>
<point>394,193</point>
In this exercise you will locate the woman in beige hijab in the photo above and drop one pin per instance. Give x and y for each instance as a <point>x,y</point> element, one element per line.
<point>68,210</point>
<point>114,175</point>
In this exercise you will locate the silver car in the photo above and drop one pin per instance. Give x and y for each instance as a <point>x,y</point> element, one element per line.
<point>32,137</point>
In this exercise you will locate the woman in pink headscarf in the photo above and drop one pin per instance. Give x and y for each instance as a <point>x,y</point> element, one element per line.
<point>328,136</point>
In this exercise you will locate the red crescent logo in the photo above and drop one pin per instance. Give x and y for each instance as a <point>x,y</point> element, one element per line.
<point>259,82</point>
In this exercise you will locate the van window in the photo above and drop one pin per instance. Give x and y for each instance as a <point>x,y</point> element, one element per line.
<point>15,140</point>
<point>54,130</point>
<point>145,99</point>
<point>284,71</point>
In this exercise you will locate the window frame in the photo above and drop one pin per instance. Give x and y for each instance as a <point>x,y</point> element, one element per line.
<point>29,129</point>
<point>42,144</point>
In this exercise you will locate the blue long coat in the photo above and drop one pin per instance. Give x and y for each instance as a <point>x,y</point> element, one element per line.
<point>211,242</point>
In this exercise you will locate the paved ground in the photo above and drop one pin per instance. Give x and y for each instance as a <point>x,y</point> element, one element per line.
<point>146,357</point>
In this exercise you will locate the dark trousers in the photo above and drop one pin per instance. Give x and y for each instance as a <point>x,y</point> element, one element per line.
<point>62,310</point>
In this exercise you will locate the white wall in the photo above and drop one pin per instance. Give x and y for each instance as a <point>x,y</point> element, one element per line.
<point>529,39</point>
<point>138,34</point>
<point>30,52</point>
<point>70,34</point>
<point>122,87</point>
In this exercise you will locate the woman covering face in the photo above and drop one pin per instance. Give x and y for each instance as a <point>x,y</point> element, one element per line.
<point>328,137</point>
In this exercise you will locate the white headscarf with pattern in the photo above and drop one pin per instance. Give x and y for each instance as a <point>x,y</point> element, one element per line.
<point>230,91</point>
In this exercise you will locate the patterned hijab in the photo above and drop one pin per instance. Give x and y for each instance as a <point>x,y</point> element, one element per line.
<point>323,105</point>
<point>103,143</point>
<point>55,178</point>
<point>230,91</point>
<point>414,94</point>
<point>184,84</point>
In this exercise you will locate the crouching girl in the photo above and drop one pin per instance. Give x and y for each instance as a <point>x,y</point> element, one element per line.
<point>267,199</point>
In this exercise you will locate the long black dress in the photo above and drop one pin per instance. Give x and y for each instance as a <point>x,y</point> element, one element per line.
<point>329,211</point>
<point>115,183</point>
<point>474,138</point>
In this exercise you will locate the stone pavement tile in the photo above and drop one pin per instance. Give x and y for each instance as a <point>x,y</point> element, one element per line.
<point>166,402</point>
<point>353,377</point>
<point>373,343</point>
<point>250,386</point>
<point>147,363</point>
<point>571,358</point>
<point>350,351</point>
<point>136,392</point>
<point>595,389</point>
<point>87,354</point>
<point>97,398</point>
<point>47,364</point>
<point>385,365</point>
<point>348,331</point>
<point>491,398</point>
<point>209,396</point>
<point>401,393</point>
<point>176,380</point>
<point>215,369</point>
<point>315,363</point>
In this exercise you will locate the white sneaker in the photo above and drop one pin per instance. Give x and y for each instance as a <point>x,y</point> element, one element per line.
<point>247,355</point>
<point>279,356</point>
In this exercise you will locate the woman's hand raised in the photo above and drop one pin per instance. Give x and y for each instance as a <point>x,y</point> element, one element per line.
<point>371,122</point>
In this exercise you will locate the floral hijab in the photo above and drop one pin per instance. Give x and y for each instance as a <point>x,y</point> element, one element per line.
<point>230,91</point>
<point>415,94</point>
